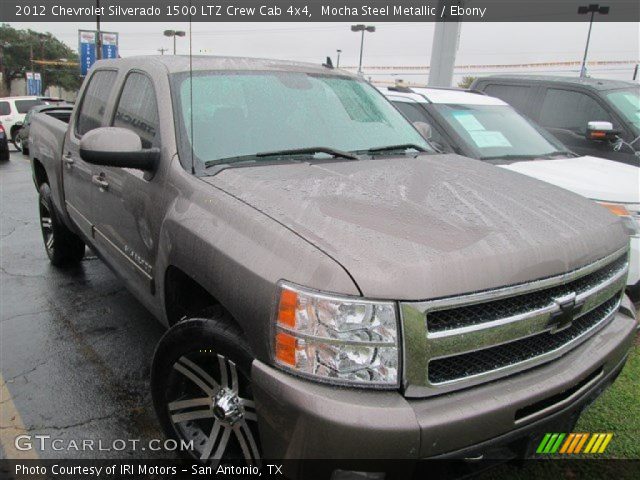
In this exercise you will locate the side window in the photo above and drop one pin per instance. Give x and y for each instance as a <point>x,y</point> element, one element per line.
<point>137,109</point>
<point>570,110</point>
<point>94,101</point>
<point>514,95</point>
<point>5,108</point>
<point>415,113</point>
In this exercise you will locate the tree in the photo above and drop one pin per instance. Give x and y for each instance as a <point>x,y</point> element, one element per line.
<point>466,82</point>
<point>16,47</point>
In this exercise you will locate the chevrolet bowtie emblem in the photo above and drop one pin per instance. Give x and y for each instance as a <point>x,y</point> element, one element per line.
<point>568,309</point>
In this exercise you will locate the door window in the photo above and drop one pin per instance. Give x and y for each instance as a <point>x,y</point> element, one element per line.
<point>23,106</point>
<point>569,110</point>
<point>415,113</point>
<point>514,95</point>
<point>137,109</point>
<point>5,108</point>
<point>94,102</point>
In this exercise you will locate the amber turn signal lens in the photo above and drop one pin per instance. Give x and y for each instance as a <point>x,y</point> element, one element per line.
<point>287,308</point>
<point>286,348</point>
<point>619,210</point>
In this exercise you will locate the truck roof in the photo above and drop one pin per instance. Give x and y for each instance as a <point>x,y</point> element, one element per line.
<point>443,95</point>
<point>593,83</point>
<point>181,63</point>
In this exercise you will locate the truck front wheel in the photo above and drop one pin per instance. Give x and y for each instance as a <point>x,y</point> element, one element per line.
<point>64,248</point>
<point>201,387</point>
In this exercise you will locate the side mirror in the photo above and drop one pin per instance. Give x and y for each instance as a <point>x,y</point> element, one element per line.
<point>117,147</point>
<point>424,129</point>
<point>600,131</point>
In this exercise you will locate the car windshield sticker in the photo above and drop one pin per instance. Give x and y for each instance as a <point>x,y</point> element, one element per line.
<point>467,120</point>
<point>488,139</point>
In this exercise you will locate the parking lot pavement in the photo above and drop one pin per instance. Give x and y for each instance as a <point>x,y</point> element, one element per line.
<point>75,346</point>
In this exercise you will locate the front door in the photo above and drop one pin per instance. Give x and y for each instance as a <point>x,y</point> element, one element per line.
<point>125,200</point>
<point>566,113</point>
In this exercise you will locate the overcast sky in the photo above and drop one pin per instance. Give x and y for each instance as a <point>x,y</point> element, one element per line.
<point>397,44</point>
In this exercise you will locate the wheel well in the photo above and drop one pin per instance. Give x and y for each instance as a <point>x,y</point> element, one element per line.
<point>184,296</point>
<point>40,173</point>
<point>13,131</point>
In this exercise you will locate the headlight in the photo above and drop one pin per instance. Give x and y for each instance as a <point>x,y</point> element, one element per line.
<point>335,339</point>
<point>630,219</point>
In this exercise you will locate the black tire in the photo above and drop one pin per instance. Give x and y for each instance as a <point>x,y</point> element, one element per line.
<point>195,401</point>
<point>17,142</point>
<point>64,248</point>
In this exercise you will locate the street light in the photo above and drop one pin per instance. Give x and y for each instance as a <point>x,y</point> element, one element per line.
<point>174,34</point>
<point>362,28</point>
<point>338,60</point>
<point>592,8</point>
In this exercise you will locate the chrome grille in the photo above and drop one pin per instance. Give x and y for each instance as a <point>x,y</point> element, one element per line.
<point>438,321</point>
<point>474,363</point>
<point>480,337</point>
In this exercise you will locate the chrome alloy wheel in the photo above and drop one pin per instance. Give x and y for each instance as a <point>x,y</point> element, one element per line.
<point>46,224</point>
<point>214,409</point>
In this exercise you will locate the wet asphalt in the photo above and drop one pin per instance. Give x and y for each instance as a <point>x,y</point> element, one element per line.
<point>75,346</point>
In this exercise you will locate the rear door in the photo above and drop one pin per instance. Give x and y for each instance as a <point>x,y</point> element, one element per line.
<point>124,229</point>
<point>77,174</point>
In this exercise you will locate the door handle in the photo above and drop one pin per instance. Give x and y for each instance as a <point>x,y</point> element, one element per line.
<point>100,182</point>
<point>68,159</point>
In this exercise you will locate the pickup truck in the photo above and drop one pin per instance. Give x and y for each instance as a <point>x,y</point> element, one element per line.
<point>332,287</point>
<point>479,126</point>
<point>591,116</point>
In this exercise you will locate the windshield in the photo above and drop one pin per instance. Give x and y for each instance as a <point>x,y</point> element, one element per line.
<point>23,106</point>
<point>498,131</point>
<point>627,102</point>
<point>237,114</point>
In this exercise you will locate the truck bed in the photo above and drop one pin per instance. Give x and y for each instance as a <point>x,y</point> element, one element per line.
<point>46,139</point>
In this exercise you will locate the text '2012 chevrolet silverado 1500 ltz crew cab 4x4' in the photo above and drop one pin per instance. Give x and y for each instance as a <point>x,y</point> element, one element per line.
<point>333,287</point>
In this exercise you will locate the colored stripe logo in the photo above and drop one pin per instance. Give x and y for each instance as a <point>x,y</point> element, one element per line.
<point>574,443</point>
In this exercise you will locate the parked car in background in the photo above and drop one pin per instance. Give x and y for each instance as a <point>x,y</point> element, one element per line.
<point>479,126</point>
<point>591,116</point>
<point>14,109</point>
<point>4,144</point>
<point>61,111</point>
<point>333,287</point>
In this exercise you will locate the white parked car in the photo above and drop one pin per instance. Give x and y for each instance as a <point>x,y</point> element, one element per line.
<point>14,109</point>
<point>478,126</point>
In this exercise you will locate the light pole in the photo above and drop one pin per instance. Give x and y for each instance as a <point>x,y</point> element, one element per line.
<point>592,8</point>
<point>338,60</point>
<point>174,34</point>
<point>362,28</point>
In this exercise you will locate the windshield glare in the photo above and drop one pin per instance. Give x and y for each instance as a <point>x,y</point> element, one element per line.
<point>627,102</point>
<point>493,131</point>
<point>239,114</point>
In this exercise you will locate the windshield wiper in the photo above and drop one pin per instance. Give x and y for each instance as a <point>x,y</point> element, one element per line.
<point>564,153</point>
<point>309,151</point>
<point>511,157</point>
<point>255,157</point>
<point>403,146</point>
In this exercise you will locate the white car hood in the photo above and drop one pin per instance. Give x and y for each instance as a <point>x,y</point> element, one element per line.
<point>591,177</point>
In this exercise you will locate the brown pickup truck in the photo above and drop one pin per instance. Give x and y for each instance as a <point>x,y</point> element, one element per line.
<point>332,287</point>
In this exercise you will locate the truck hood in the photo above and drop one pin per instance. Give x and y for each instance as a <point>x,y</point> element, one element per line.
<point>591,177</point>
<point>431,226</point>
